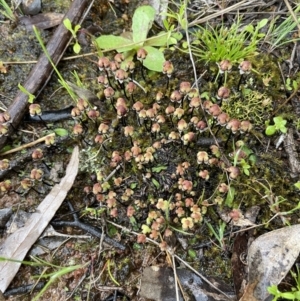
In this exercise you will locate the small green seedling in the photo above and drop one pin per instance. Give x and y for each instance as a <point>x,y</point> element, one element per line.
<point>279,126</point>
<point>291,85</point>
<point>31,97</point>
<point>294,294</point>
<point>130,42</point>
<point>68,25</point>
<point>222,43</point>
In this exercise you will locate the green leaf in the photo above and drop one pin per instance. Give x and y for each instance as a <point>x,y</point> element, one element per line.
<point>145,229</point>
<point>262,23</point>
<point>76,48</point>
<point>76,28</point>
<point>297,185</point>
<point>154,60</point>
<point>133,185</point>
<point>230,196</point>
<point>270,130</point>
<point>31,97</point>
<point>68,24</point>
<point>61,132</point>
<point>158,168</point>
<point>142,20</point>
<point>192,253</point>
<point>283,129</point>
<point>156,184</point>
<point>113,42</point>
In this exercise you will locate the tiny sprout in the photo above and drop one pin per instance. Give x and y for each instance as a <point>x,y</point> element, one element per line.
<point>82,104</point>
<point>141,238</point>
<point>141,54</point>
<point>169,110</point>
<point>215,110</point>
<point>130,87</point>
<point>26,183</point>
<point>215,151</point>
<point>187,223</point>
<point>103,80</point>
<point>103,63</point>
<point>233,125</point>
<point>185,87</point>
<point>223,188</point>
<point>114,212</point>
<point>202,157</point>
<point>186,185</point>
<point>37,154</point>
<point>235,214</point>
<point>233,172</point>
<point>130,211</point>
<point>189,202</point>
<point>128,130</point>
<point>121,111</point>
<point>93,114</point>
<point>223,118</point>
<point>36,174</point>
<point>109,92</point>
<point>224,66</point>
<point>204,174</point>
<point>150,113</point>
<point>99,139</point>
<point>112,202</point>
<point>193,93</point>
<point>119,58</point>
<point>77,129</point>
<point>4,164</point>
<point>195,102</point>
<point>3,129</point>
<point>201,126</point>
<point>75,113</point>
<point>245,67</point>
<point>121,75</point>
<point>35,109</point>
<point>138,106</point>
<point>50,140</point>
<point>182,125</point>
<point>188,138</point>
<point>159,96</point>
<point>97,188</point>
<point>129,66</point>
<point>223,93</point>
<point>5,186</point>
<point>168,68</point>
<point>245,126</point>
<point>197,217</point>
<point>179,112</point>
<point>163,246</point>
<point>207,104</point>
<point>174,136</point>
<point>118,181</point>
<point>176,96</point>
<point>155,128</point>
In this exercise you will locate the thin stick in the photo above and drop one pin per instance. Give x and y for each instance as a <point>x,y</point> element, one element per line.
<point>42,139</point>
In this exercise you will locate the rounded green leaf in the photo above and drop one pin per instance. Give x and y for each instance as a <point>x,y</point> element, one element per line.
<point>142,20</point>
<point>154,60</point>
<point>270,130</point>
<point>61,132</point>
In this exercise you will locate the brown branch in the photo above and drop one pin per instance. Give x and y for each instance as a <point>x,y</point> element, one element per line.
<point>42,71</point>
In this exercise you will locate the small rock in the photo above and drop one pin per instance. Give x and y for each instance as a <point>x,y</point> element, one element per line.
<point>5,215</point>
<point>31,7</point>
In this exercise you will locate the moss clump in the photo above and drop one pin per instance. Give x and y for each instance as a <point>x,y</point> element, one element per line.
<point>251,105</point>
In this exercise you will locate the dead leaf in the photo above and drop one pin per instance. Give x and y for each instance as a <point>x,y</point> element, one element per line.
<point>41,21</point>
<point>270,258</point>
<point>18,244</point>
